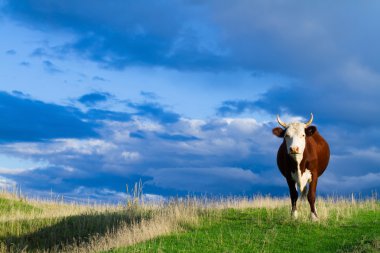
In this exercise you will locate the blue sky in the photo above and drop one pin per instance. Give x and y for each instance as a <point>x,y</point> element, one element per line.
<point>183,94</point>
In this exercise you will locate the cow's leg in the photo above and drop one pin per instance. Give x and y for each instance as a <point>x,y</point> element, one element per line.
<point>311,198</point>
<point>293,196</point>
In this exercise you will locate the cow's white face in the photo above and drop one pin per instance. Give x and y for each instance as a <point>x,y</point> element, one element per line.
<point>295,138</point>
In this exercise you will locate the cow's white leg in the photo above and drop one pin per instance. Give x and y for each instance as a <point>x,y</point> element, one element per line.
<point>314,217</point>
<point>294,214</point>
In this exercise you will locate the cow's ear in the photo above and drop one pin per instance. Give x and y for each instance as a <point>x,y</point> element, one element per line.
<point>278,131</point>
<point>310,130</point>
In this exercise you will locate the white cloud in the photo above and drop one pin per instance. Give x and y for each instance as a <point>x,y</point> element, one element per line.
<point>56,146</point>
<point>7,184</point>
<point>349,184</point>
<point>214,155</point>
<point>130,156</point>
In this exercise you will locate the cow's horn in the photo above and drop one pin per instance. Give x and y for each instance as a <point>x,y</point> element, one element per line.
<point>310,120</point>
<point>282,123</point>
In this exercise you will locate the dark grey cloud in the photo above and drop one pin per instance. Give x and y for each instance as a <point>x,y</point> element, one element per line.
<point>25,119</point>
<point>177,137</point>
<point>328,50</point>
<point>296,39</point>
<point>126,33</point>
<point>154,111</point>
<point>159,154</point>
<point>99,114</point>
<point>347,109</point>
<point>214,156</point>
<point>94,98</point>
<point>236,107</point>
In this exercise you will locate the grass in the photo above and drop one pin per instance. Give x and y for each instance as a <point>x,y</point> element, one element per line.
<point>262,224</point>
<point>53,226</point>
<point>344,227</point>
<point>11,206</point>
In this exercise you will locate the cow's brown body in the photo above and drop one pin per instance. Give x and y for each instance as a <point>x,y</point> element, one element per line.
<point>315,158</point>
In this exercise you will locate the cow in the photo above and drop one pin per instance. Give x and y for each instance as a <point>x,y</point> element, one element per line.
<point>302,157</point>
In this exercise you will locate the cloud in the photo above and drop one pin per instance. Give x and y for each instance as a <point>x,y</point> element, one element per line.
<point>236,107</point>
<point>39,52</point>
<point>25,119</point>
<point>94,98</point>
<point>325,52</point>
<point>149,95</point>
<point>7,184</point>
<point>25,64</point>
<point>205,180</point>
<point>11,52</point>
<point>51,67</point>
<point>302,42</point>
<point>154,111</point>
<point>176,137</point>
<point>162,34</point>
<point>99,78</point>
<point>365,184</point>
<point>99,114</point>
<point>214,156</point>
<point>156,152</point>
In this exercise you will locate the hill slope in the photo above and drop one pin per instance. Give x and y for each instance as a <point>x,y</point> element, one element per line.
<point>261,224</point>
<point>263,230</point>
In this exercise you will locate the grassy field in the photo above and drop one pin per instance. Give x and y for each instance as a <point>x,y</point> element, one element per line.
<point>263,230</point>
<point>262,224</point>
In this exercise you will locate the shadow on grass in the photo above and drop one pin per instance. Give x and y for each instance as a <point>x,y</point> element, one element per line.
<point>73,230</point>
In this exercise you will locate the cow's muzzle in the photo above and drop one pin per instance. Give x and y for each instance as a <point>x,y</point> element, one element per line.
<point>294,150</point>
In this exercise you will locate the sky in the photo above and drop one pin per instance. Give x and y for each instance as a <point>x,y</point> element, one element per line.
<point>183,95</point>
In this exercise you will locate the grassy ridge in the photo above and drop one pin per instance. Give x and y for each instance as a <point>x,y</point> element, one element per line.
<point>262,224</point>
<point>263,230</point>
<point>10,206</point>
<point>52,226</point>
<point>40,226</point>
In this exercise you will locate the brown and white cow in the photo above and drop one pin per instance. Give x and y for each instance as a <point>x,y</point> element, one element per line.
<point>302,157</point>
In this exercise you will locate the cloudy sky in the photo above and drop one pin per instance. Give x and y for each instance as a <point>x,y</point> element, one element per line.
<point>183,94</point>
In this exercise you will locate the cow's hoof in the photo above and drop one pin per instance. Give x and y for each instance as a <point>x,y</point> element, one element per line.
<point>313,217</point>
<point>294,214</point>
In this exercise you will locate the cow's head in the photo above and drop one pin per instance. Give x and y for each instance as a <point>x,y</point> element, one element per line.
<point>295,136</point>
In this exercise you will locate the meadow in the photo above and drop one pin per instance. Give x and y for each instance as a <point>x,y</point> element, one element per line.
<point>255,224</point>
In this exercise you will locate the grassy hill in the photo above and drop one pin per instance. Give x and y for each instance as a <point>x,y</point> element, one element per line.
<point>262,230</point>
<point>261,224</point>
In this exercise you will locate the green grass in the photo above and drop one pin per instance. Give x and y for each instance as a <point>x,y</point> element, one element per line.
<point>270,230</point>
<point>9,206</point>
